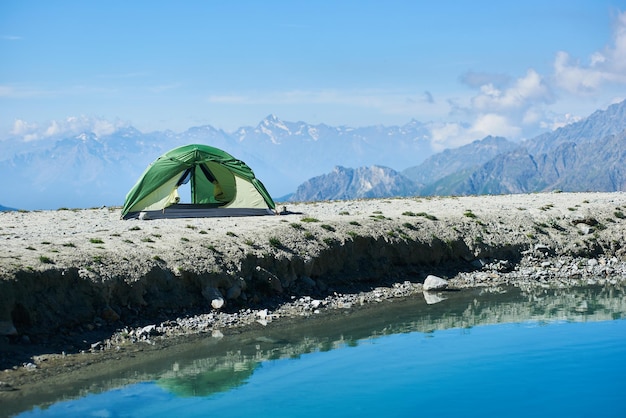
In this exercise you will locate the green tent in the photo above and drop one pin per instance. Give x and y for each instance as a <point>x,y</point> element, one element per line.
<point>221,185</point>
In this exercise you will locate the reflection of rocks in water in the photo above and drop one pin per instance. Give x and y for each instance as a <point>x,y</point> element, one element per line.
<point>208,376</point>
<point>463,309</point>
<point>432,297</point>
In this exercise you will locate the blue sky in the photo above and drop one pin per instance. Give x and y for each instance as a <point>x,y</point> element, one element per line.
<point>467,69</point>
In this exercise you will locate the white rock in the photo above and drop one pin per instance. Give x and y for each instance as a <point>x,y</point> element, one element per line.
<point>435,283</point>
<point>217,303</point>
<point>214,295</point>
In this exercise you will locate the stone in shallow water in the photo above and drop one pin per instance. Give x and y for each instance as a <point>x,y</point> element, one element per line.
<point>435,283</point>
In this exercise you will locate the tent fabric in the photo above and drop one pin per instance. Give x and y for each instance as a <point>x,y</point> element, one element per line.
<point>217,179</point>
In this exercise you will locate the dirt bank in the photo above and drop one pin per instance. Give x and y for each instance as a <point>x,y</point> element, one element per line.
<point>84,280</point>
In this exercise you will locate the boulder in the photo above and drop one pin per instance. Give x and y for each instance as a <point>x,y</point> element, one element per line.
<point>214,296</point>
<point>435,283</point>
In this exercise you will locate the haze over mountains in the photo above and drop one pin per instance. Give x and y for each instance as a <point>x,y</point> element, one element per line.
<point>320,162</point>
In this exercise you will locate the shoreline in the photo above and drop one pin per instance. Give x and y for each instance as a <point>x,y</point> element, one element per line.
<point>84,282</point>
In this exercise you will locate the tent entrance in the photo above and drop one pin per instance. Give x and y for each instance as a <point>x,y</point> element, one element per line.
<point>198,185</point>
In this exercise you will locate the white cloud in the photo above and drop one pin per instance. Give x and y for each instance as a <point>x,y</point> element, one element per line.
<point>72,125</point>
<point>25,130</point>
<point>518,108</point>
<point>559,121</point>
<point>574,78</point>
<point>526,90</point>
<point>494,124</point>
<point>606,66</point>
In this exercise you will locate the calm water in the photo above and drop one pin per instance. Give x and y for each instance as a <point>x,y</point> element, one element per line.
<point>544,354</point>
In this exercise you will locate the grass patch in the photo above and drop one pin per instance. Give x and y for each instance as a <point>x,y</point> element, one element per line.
<point>410,226</point>
<point>469,214</point>
<point>619,214</point>
<point>69,245</point>
<point>343,212</point>
<point>184,239</point>
<point>355,223</point>
<point>275,242</point>
<point>231,234</point>
<point>45,260</point>
<point>96,241</point>
<point>427,216</point>
<point>297,226</point>
<point>147,239</point>
<point>189,226</point>
<point>309,219</point>
<point>328,227</point>
<point>134,228</point>
<point>330,241</point>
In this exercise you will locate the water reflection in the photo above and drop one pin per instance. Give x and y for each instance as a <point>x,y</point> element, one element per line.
<point>205,376</point>
<point>213,365</point>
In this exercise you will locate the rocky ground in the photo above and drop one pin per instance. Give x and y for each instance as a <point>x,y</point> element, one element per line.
<point>81,286</point>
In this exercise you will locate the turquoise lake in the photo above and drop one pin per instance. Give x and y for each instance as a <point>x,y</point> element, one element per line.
<point>504,353</point>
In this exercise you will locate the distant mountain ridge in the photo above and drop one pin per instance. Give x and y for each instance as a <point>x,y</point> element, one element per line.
<point>585,156</point>
<point>588,155</point>
<point>6,209</point>
<point>89,170</point>
<point>348,183</point>
<point>458,159</point>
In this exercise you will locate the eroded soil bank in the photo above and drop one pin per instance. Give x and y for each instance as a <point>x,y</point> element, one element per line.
<point>86,281</point>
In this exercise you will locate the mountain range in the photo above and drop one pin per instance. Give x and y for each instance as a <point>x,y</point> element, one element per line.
<point>588,155</point>
<point>290,158</point>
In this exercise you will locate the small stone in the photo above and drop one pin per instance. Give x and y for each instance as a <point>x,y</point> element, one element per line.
<point>212,294</point>
<point>30,366</point>
<point>435,283</point>
<point>585,229</point>
<point>148,330</point>
<point>542,248</point>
